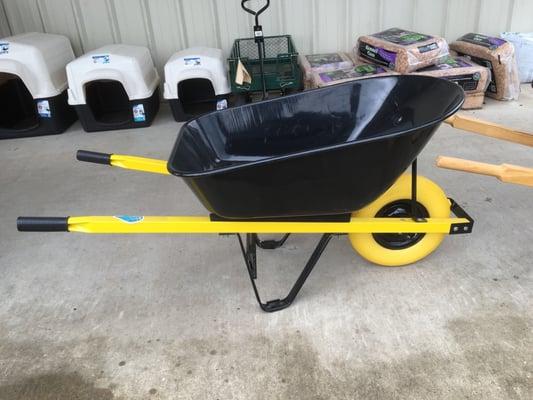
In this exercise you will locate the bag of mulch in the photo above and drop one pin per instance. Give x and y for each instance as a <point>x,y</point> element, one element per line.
<point>496,54</point>
<point>322,63</point>
<point>321,79</point>
<point>400,50</point>
<point>473,78</point>
<point>523,46</point>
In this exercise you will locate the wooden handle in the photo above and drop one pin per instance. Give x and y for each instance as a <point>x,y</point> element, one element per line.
<point>490,129</point>
<point>475,167</point>
<point>506,172</point>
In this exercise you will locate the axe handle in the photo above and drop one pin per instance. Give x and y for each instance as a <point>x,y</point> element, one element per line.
<point>490,129</point>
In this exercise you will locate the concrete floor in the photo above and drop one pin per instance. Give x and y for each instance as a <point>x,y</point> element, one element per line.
<point>173,317</point>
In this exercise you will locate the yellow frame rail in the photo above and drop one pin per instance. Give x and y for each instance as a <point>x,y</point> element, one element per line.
<point>203,224</point>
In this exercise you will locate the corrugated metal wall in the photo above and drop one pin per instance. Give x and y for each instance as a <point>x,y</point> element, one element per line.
<point>166,26</point>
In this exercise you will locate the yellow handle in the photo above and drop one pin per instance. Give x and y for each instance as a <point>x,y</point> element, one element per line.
<point>490,129</point>
<point>140,164</point>
<point>506,172</point>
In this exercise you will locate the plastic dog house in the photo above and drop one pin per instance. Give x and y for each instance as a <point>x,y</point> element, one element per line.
<point>196,82</point>
<point>33,85</point>
<point>114,87</point>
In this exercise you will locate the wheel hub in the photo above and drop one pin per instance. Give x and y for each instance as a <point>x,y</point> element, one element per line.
<point>399,209</point>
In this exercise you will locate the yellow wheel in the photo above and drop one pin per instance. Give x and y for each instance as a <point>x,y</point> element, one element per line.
<point>397,249</point>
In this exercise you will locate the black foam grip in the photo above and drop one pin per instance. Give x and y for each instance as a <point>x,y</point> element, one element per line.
<point>42,224</point>
<point>93,157</point>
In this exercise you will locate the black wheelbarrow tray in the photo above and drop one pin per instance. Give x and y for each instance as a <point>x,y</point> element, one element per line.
<point>330,161</point>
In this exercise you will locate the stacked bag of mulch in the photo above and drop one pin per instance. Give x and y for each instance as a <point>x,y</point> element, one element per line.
<point>473,78</point>
<point>400,50</point>
<point>345,75</point>
<point>317,63</point>
<point>480,64</point>
<point>322,70</point>
<point>418,53</point>
<point>498,55</point>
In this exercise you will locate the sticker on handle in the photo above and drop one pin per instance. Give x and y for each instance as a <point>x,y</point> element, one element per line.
<point>130,219</point>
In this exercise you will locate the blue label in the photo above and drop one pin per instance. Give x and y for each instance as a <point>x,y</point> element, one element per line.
<point>4,48</point>
<point>102,59</point>
<point>129,219</point>
<point>43,109</point>
<point>138,113</point>
<point>192,61</point>
<point>222,104</point>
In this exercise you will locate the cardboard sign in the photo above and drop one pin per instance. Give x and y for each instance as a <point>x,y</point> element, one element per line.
<point>242,76</point>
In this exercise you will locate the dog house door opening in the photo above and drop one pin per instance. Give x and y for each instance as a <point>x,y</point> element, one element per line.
<point>17,108</point>
<point>108,101</point>
<point>197,96</point>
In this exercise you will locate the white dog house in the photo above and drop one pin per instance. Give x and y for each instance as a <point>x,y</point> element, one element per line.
<point>33,85</point>
<point>114,87</point>
<point>196,82</point>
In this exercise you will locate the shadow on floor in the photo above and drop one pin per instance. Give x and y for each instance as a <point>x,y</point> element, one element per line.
<point>67,386</point>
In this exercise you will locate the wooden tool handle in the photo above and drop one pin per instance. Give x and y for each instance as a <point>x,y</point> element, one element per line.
<point>475,167</point>
<point>506,172</point>
<point>490,129</point>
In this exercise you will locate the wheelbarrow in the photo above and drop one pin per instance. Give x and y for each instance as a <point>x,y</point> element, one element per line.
<point>330,161</point>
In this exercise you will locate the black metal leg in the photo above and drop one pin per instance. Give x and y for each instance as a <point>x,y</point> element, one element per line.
<point>271,244</point>
<point>249,254</point>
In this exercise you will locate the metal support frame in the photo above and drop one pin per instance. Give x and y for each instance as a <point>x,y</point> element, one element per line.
<point>460,227</point>
<point>249,254</point>
<point>415,209</point>
<point>271,244</point>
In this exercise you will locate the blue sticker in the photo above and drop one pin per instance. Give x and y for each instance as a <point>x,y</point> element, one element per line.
<point>138,113</point>
<point>4,48</point>
<point>192,61</point>
<point>43,109</point>
<point>222,104</point>
<point>102,59</point>
<point>129,219</point>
